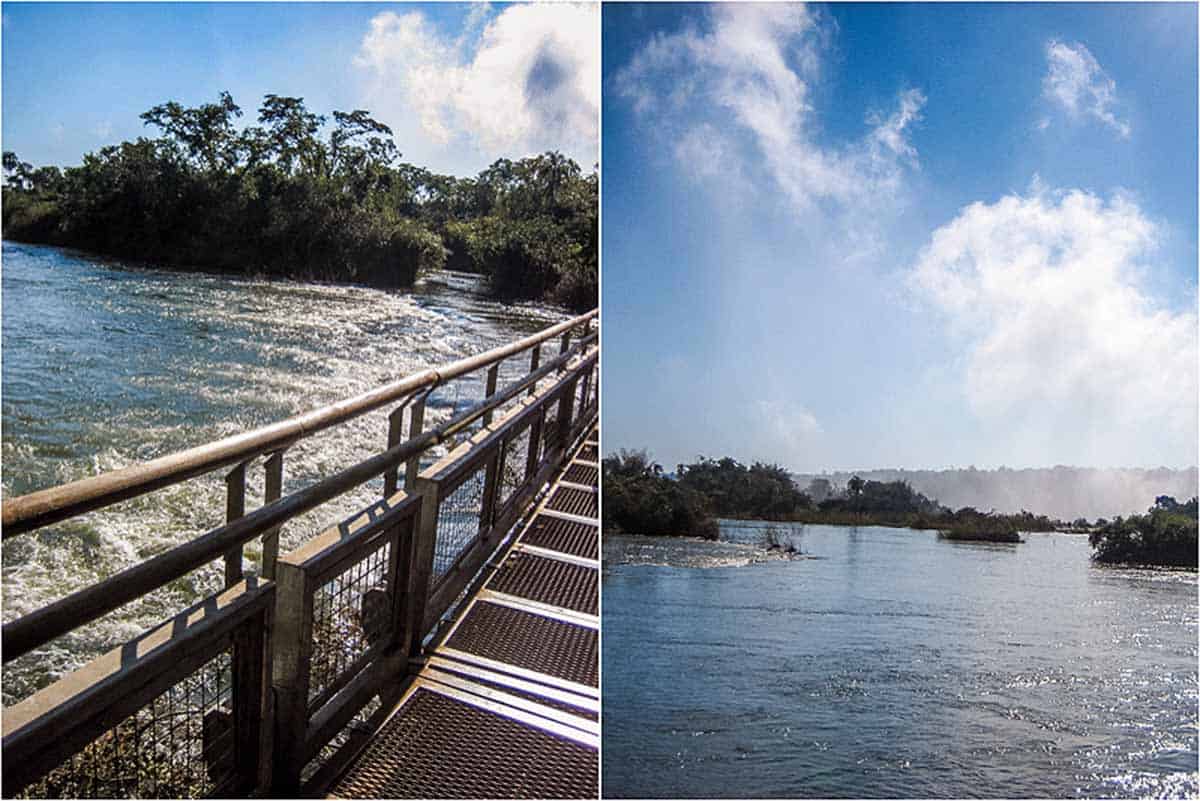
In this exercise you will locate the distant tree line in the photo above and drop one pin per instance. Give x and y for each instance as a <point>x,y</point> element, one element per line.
<point>639,498</point>
<point>300,195</point>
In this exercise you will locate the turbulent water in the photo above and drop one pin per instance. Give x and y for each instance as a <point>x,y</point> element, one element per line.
<point>891,663</point>
<point>107,364</point>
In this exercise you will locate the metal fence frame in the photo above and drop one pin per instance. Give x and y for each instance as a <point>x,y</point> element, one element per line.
<point>266,622</point>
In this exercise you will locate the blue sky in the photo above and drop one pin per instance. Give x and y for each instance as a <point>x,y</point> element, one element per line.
<point>449,78</point>
<point>850,236</point>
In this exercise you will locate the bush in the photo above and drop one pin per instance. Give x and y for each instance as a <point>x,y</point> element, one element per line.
<point>1165,535</point>
<point>639,499</point>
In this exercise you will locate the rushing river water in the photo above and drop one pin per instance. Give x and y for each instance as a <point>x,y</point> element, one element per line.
<point>890,663</point>
<point>106,365</point>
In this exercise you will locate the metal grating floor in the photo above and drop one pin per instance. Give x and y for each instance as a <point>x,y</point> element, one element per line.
<point>549,581</point>
<point>442,747</point>
<point>564,536</point>
<point>574,502</point>
<point>507,705</point>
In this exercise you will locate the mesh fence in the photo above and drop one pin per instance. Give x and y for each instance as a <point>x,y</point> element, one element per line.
<point>514,458</point>
<point>180,745</point>
<point>458,524</point>
<point>350,612</point>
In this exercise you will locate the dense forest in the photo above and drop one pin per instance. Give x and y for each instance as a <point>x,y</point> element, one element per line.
<point>639,498</point>
<point>299,195</point>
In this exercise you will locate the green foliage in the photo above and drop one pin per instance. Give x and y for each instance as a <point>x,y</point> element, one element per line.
<point>639,499</point>
<point>736,491</point>
<point>1165,535</point>
<point>277,199</point>
<point>881,497</point>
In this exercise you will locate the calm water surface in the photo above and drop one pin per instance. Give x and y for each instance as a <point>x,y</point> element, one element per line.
<point>894,664</point>
<point>106,365</point>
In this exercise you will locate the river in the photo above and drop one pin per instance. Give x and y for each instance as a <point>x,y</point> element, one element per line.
<point>889,663</point>
<point>106,364</point>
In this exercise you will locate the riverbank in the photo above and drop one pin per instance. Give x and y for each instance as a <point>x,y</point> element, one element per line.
<point>278,201</point>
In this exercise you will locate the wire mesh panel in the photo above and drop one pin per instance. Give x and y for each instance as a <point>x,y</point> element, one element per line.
<point>180,745</point>
<point>458,523</point>
<point>513,463</point>
<point>351,611</point>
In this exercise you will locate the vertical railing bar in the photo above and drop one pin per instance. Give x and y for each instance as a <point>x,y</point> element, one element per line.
<point>235,507</point>
<point>271,493</point>
<point>416,422</point>
<point>491,478</point>
<point>395,435</point>
<point>535,361</point>
<point>493,374</point>
<point>535,441</point>
<point>291,643</point>
<point>566,345</point>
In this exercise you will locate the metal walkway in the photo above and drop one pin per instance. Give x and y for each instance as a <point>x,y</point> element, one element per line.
<point>507,704</point>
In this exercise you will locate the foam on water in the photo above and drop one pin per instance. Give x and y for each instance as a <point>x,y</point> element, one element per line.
<point>106,366</point>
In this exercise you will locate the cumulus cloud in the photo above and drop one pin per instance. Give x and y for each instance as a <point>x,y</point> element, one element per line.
<point>527,82</point>
<point>1047,295</point>
<point>782,430</point>
<point>751,69</point>
<point>1077,83</point>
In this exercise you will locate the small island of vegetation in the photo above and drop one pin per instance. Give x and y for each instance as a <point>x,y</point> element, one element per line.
<point>639,498</point>
<point>301,196</point>
<point>1165,535</point>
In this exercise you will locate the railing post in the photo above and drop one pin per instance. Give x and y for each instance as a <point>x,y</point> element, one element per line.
<point>420,580</point>
<point>490,390</point>
<point>491,483</point>
<point>291,666</point>
<point>235,507</point>
<point>566,345</point>
<point>272,493</point>
<point>395,435</point>
<point>585,391</point>
<point>535,361</point>
<point>416,422</point>
<point>251,691</point>
<point>535,443</point>
<point>566,407</point>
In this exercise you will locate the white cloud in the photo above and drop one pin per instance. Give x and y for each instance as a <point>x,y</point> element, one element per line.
<point>528,82</point>
<point>1077,83</point>
<point>1063,343</point>
<point>752,70</point>
<point>788,421</point>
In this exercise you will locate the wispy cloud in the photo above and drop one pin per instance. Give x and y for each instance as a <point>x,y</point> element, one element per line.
<point>527,82</point>
<point>1076,83</point>
<point>1047,294</point>
<point>750,69</point>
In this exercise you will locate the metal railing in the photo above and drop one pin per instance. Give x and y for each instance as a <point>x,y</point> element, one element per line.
<point>252,688</point>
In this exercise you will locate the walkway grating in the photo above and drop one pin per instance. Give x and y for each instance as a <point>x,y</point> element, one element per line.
<point>507,704</point>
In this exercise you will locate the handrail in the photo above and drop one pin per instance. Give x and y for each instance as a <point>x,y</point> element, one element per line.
<point>43,507</point>
<point>83,606</point>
